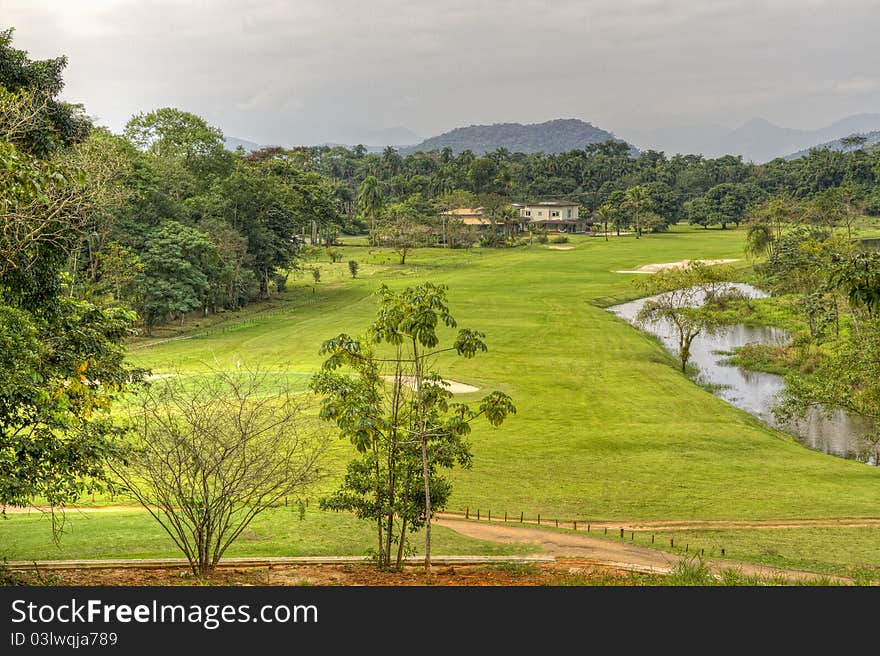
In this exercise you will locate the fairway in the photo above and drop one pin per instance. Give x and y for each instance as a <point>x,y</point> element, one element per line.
<point>605,428</point>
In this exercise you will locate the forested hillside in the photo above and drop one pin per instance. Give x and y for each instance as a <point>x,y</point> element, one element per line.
<point>549,137</point>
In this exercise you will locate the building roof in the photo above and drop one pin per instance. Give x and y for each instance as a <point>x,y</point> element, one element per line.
<point>464,211</point>
<point>477,220</point>
<point>551,203</point>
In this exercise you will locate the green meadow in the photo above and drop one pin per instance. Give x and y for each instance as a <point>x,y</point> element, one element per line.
<point>606,427</point>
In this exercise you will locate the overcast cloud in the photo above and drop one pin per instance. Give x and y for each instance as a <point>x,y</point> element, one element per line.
<point>308,71</point>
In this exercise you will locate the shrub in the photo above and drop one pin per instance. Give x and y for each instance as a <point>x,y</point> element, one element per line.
<point>559,239</point>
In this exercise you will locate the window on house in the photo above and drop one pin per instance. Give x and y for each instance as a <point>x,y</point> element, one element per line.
<point>528,212</point>
<point>569,214</point>
<point>554,213</point>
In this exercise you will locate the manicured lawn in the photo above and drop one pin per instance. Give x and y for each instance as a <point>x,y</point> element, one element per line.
<point>848,551</point>
<point>281,532</point>
<point>606,427</point>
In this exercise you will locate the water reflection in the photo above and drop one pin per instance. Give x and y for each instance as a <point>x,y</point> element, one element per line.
<point>839,434</point>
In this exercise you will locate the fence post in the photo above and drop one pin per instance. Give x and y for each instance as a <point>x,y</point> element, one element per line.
<point>672,543</point>
<point>539,519</point>
<point>490,516</point>
<point>505,515</point>
<point>632,535</point>
<point>722,551</point>
<point>478,514</point>
<point>606,530</point>
<point>467,512</point>
<point>557,523</point>
<point>520,518</point>
<point>575,525</point>
<point>621,534</point>
<point>652,538</point>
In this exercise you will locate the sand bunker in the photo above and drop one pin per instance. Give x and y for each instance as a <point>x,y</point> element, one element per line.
<point>453,386</point>
<point>655,268</point>
<point>561,248</point>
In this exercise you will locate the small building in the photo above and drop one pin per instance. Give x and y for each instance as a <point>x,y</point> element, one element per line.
<point>471,217</point>
<point>554,215</point>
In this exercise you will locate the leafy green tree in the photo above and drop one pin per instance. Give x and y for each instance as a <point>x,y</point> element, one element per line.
<point>30,89</point>
<point>687,298</point>
<point>638,201</point>
<point>402,230</point>
<point>725,203</point>
<point>174,280</point>
<point>370,201</point>
<point>170,132</point>
<point>408,433</point>
<point>61,358</point>
<point>353,268</point>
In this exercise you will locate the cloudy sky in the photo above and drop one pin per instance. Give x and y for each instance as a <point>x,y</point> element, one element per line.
<point>309,71</point>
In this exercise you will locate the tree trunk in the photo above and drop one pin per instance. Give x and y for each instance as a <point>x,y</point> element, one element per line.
<point>401,543</point>
<point>423,438</point>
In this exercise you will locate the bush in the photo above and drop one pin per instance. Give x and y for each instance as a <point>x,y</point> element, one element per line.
<point>335,255</point>
<point>353,268</point>
<point>559,239</point>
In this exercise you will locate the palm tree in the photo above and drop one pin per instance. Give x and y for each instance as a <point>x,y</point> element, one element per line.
<point>508,216</point>
<point>605,213</point>
<point>369,202</point>
<point>637,198</point>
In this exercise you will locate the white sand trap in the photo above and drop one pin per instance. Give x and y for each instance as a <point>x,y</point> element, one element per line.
<point>655,268</point>
<point>453,386</point>
<point>561,248</point>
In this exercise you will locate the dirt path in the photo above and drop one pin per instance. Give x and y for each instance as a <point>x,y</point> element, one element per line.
<point>608,552</point>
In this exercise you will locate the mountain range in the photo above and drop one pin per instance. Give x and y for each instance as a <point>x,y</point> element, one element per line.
<point>872,142</point>
<point>758,140</point>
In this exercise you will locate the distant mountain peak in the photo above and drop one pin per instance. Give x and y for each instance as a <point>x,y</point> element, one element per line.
<point>553,136</point>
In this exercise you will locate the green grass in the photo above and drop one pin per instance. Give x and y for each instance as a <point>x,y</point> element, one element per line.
<point>845,551</point>
<point>279,532</point>
<point>606,427</point>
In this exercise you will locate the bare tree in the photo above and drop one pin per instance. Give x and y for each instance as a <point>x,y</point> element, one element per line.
<point>688,299</point>
<point>214,451</point>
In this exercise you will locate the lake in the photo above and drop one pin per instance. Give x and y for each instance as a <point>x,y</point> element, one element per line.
<point>839,434</point>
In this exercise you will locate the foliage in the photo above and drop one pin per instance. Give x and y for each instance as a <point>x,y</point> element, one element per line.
<point>210,454</point>
<point>353,268</point>
<point>406,434</point>
<point>173,281</point>
<point>687,298</point>
<point>61,357</point>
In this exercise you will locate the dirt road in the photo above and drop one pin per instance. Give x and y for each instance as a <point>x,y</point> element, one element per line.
<point>621,554</point>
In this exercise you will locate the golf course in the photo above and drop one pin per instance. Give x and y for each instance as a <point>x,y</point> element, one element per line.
<point>607,430</point>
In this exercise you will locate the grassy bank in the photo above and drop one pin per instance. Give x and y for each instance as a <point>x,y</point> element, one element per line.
<point>280,532</point>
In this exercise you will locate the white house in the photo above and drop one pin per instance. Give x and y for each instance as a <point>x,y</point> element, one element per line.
<point>554,215</point>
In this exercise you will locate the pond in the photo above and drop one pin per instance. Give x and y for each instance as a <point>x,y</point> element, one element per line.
<point>755,392</point>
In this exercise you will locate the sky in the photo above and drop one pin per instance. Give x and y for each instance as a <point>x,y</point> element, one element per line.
<point>312,71</point>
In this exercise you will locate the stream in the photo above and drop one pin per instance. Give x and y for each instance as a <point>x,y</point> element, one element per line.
<point>841,434</point>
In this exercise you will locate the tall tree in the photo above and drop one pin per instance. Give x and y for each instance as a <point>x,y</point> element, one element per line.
<point>414,423</point>
<point>369,201</point>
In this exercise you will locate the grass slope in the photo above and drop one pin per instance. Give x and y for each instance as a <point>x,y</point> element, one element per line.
<point>606,427</point>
